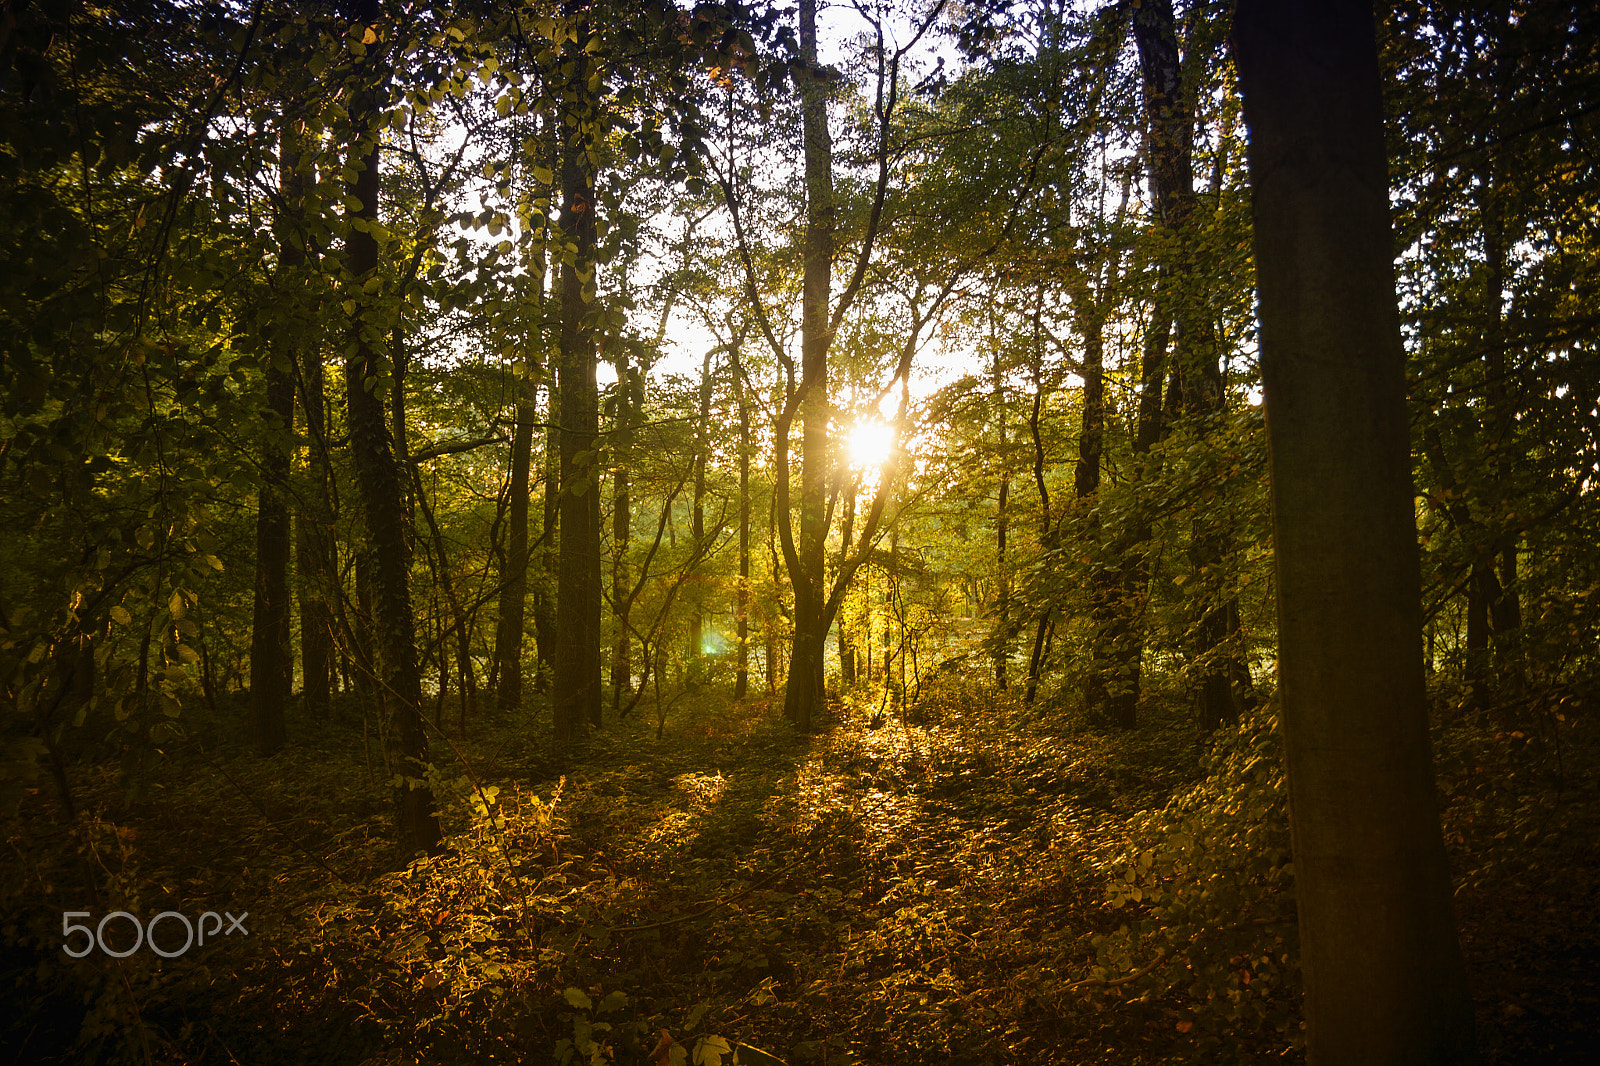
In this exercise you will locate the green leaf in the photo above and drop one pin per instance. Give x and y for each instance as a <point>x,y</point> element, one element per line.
<point>578,998</point>
<point>120,615</point>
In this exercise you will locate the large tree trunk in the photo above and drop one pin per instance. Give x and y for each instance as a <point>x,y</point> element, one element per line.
<point>805,692</point>
<point>382,488</point>
<point>1385,985</point>
<point>271,668</point>
<point>577,693</point>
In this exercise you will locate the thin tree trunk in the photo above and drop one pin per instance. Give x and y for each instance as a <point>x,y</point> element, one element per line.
<point>847,657</point>
<point>1385,985</point>
<point>697,512</point>
<point>460,624</point>
<point>1197,373</point>
<point>315,550</point>
<point>514,580</point>
<point>1002,652</point>
<point>362,649</point>
<point>512,614</point>
<point>544,607</point>
<point>776,617</point>
<point>1483,587</point>
<point>1504,610</point>
<point>314,541</point>
<point>1046,523</point>
<point>1107,607</point>
<point>270,661</point>
<point>621,533</point>
<point>741,682</point>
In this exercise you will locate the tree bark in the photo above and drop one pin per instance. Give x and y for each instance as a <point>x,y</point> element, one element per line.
<point>577,692</point>
<point>271,665</point>
<point>1198,394</point>
<point>544,606</point>
<point>461,626</point>
<point>314,540</point>
<point>621,533</point>
<point>1107,608</point>
<point>512,614</point>
<point>1046,522</point>
<point>360,629</point>
<point>1002,518</point>
<point>697,521</point>
<point>805,689</point>
<point>315,547</point>
<point>1385,985</point>
<point>741,681</point>
<point>514,581</point>
<point>382,488</point>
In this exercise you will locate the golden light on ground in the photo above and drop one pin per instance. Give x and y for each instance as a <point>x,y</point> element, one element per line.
<point>870,442</point>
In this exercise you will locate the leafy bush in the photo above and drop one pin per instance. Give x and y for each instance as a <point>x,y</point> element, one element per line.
<point>1207,885</point>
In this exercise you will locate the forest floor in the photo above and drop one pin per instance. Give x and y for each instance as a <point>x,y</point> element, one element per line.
<point>927,891</point>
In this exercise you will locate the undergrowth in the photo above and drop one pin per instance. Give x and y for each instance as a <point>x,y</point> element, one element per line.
<point>964,886</point>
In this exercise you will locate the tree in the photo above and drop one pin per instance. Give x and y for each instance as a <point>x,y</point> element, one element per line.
<point>1197,392</point>
<point>805,687</point>
<point>576,691</point>
<point>271,666</point>
<point>1488,104</point>
<point>379,476</point>
<point>822,315</point>
<point>1384,977</point>
<point>514,577</point>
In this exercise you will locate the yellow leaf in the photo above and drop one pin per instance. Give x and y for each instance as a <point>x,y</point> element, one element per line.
<point>370,37</point>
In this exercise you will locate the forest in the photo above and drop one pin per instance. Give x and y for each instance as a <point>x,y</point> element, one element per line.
<point>816,532</point>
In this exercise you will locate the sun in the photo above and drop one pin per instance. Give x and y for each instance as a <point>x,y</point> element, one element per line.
<point>870,442</point>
